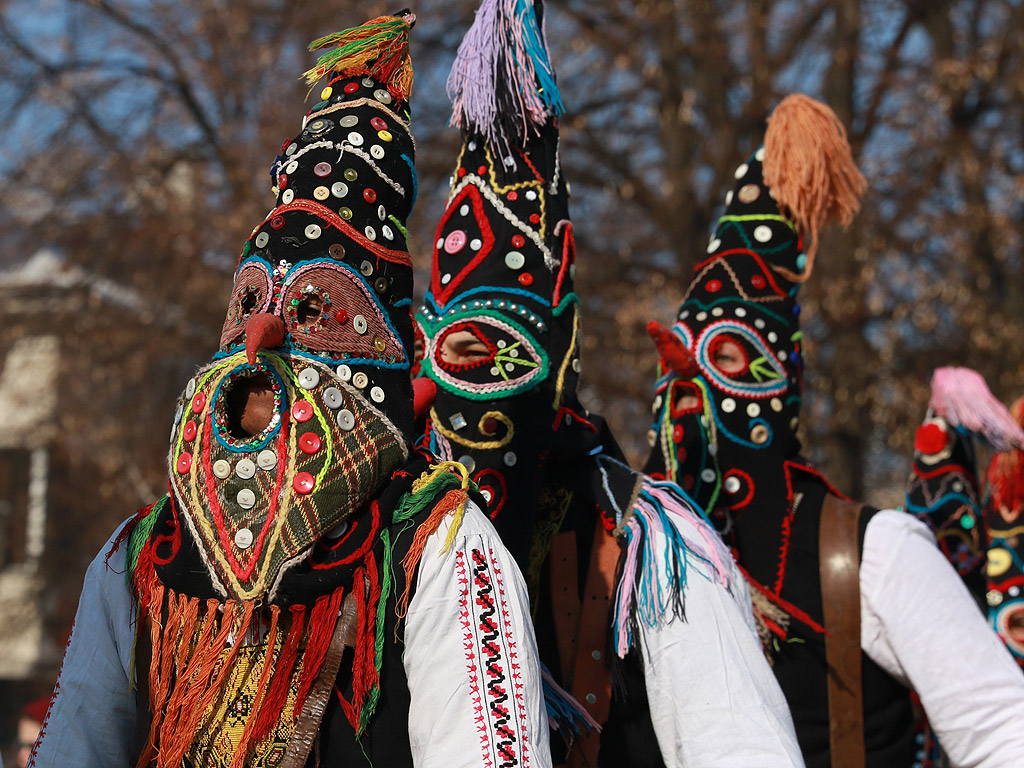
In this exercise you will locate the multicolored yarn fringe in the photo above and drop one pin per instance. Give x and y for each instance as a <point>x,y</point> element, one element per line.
<point>450,475</point>
<point>195,643</point>
<point>502,84</point>
<point>646,593</point>
<point>1006,474</point>
<point>809,167</point>
<point>565,714</point>
<point>379,48</point>
<point>962,398</point>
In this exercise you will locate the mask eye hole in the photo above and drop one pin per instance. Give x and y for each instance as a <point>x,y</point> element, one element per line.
<point>464,347</point>
<point>309,310</point>
<point>728,356</point>
<point>249,301</point>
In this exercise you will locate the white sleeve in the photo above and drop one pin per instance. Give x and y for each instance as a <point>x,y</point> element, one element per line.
<point>921,625</point>
<point>91,719</point>
<point>471,656</point>
<point>714,700</point>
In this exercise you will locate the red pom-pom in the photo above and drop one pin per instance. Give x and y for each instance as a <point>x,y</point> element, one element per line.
<point>930,438</point>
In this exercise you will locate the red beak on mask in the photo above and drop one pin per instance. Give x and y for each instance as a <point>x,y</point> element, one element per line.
<point>262,331</point>
<point>673,352</point>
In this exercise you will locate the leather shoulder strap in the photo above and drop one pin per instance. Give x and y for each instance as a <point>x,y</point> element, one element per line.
<point>839,561</point>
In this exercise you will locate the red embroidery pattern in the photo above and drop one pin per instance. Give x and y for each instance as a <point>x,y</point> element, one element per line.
<point>53,699</point>
<point>488,640</point>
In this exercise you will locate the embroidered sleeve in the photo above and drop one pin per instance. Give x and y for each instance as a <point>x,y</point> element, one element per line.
<point>91,717</point>
<point>471,657</point>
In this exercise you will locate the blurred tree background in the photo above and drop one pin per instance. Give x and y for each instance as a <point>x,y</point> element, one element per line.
<point>137,137</point>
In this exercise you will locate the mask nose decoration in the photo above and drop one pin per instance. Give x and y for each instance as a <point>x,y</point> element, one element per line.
<point>262,331</point>
<point>673,351</point>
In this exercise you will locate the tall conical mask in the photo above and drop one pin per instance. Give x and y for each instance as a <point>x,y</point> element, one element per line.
<point>944,489</point>
<point>500,319</point>
<point>732,362</point>
<point>306,410</point>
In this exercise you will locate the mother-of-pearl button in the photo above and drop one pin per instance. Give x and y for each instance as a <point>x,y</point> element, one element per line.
<point>246,499</point>
<point>346,420</point>
<point>344,372</point>
<point>377,395</point>
<point>267,459</point>
<point>360,380</point>
<point>245,469</point>
<point>243,538</point>
<point>221,468</point>
<point>308,378</point>
<point>332,397</point>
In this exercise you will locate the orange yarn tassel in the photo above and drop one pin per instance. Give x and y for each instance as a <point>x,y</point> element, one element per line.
<point>448,505</point>
<point>809,167</point>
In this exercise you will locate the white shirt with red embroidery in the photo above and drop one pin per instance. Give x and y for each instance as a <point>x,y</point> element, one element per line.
<point>470,659</point>
<point>474,629</point>
<point>921,625</point>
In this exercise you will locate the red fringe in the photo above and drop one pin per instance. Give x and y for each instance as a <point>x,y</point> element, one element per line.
<point>127,529</point>
<point>365,676</point>
<point>321,623</point>
<point>277,696</point>
<point>1006,476</point>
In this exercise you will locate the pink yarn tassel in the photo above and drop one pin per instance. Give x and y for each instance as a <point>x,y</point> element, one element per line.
<point>961,397</point>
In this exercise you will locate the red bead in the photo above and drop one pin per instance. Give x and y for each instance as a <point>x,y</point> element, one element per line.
<point>688,483</point>
<point>351,87</point>
<point>277,222</point>
<point>303,482</point>
<point>681,455</point>
<point>535,218</point>
<point>199,402</point>
<point>309,443</point>
<point>285,145</point>
<point>757,281</point>
<point>282,181</point>
<point>369,196</point>
<point>302,410</point>
<point>518,241</point>
<point>184,463</point>
<point>189,433</point>
<point>482,170</point>
<point>490,425</point>
<point>714,286</point>
<point>513,196</point>
<point>677,433</point>
<point>462,172</point>
<point>378,124</point>
<point>930,438</point>
<point>341,316</point>
<point>526,278</point>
